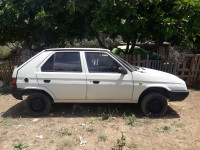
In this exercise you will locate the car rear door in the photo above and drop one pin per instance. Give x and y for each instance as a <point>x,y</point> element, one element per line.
<point>103,80</point>
<point>63,74</point>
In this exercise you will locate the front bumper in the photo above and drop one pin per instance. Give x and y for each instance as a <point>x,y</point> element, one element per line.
<point>17,93</point>
<point>178,95</point>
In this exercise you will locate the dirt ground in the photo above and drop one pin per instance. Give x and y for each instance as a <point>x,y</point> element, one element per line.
<point>63,126</point>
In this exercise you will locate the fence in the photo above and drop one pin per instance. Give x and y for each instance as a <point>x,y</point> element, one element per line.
<point>7,67</point>
<point>187,67</point>
<point>6,71</point>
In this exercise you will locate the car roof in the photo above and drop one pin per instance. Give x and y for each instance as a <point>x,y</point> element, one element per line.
<point>77,49</point>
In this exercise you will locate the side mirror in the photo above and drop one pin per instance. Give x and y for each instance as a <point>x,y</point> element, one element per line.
<point>122,70</point>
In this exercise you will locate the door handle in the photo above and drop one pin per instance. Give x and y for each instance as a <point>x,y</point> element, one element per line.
<point>96,82</point>
<point>47,81</point>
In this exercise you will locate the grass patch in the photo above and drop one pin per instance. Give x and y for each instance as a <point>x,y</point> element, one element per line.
<point>147,121</point>
<point>108,112</point>
<point>90,130</point>
<point>104,115</point>
<point>7,124</point>
<point>130,120</point>
<point>64,145</point>
<point>5,89</point>
<point>179,125</point>
<point>20,146</point>
<point>51,141</point>
<point>132,146</point>
<point>102,137</point>
<point>164,129</point>
<point>65,131</point>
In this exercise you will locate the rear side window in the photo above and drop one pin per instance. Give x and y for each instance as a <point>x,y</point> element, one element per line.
<point>63,62</point>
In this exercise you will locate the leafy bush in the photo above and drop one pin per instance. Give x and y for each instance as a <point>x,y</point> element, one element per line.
<point>118,51</point>
<point>131,120</point>
<point>4,52</point>
<point>137,51</point>
<point>105,115</point>
<point>5,89</point>
<point>141,51</point>
<point>154,56</point>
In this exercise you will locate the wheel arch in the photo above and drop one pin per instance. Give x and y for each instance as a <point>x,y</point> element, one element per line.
<point>160,90</point>
<point>29,91</point>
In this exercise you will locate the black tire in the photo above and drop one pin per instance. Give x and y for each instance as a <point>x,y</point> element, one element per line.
<point>154,105</point>
<point>38,104</point>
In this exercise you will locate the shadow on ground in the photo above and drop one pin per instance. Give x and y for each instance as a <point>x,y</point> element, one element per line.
<point>69,110</point>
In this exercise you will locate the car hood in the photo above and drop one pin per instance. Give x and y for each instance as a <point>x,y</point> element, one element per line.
<point>151,75</point>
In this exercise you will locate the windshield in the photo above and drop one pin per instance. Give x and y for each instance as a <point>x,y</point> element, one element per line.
<point>128,65</point>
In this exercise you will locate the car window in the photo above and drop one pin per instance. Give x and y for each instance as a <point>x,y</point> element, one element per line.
<point>63,62</point>
<point>101,62</point>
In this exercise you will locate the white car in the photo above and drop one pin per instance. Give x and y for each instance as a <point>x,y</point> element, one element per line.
<point>91,75</point>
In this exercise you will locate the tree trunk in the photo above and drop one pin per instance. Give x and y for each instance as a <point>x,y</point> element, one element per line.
<point>100,42</point>
<point>127,47</point>
<point>133,45</point>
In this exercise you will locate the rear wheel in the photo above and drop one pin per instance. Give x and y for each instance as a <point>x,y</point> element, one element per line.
<point>38,104</point>
<point>154,105</point>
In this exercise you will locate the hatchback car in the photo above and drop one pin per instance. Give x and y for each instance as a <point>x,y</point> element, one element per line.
<point>91,75</point>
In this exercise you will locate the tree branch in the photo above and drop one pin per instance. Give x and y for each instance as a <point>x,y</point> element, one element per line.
<point>100,42</point>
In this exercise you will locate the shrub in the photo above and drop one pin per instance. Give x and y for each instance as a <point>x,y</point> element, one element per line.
<point>131,120</point>
<point>20,146</point>
<point>5,89</point>
<point>120,143</point>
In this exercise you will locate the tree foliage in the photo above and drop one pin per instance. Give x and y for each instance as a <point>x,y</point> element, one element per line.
<point>48,23</point>
<point>44,23</point>
<point>175,21</point>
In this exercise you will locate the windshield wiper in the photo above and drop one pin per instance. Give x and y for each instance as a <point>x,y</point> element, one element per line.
<point>136,67</point>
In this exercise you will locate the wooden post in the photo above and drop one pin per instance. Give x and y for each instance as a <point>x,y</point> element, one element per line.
<point>147,63</point>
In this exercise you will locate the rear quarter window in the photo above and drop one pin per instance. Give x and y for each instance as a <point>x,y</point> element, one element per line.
<point>63,62</point>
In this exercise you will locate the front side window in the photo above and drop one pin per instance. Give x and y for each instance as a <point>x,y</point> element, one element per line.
<point>101,62</point>
<point>63,62</point>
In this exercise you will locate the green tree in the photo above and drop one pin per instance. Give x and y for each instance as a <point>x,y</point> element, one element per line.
<point>43,23</point>
<point>173,20</point>
<point>188,24</point>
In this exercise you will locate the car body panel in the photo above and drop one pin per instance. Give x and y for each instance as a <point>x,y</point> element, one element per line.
<point>67,87</point>
<point>28,70</point>
<point>109,84</point>
<point>64,85</point>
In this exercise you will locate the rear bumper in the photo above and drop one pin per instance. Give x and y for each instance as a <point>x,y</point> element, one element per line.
<point>17,93</point>
<point>178,95</point>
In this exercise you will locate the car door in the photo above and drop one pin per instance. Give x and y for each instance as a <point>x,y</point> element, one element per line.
<point>62,73</point>
<point>104,82</point>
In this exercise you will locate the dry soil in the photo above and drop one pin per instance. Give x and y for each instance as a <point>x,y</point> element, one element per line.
<point>61,129</point>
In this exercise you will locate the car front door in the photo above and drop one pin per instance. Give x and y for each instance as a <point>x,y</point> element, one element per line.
<point>62,73</point>
<point>104,82</point>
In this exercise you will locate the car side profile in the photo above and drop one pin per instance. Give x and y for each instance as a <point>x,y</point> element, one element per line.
<point>92,75</point>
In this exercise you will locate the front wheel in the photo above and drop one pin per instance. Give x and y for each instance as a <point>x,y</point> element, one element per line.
<point>38,104</point>
<point>154,105</point>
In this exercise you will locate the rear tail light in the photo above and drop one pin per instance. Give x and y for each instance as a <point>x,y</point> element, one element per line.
<point>14,85</point>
